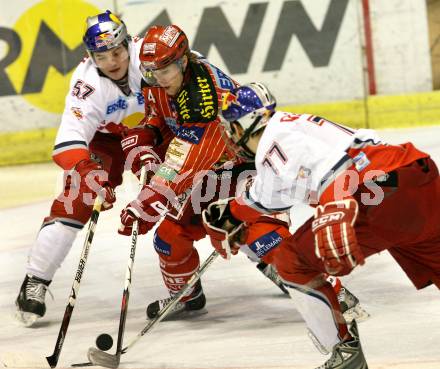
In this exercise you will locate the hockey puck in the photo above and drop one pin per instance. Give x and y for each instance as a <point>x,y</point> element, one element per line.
<point>104,342</point>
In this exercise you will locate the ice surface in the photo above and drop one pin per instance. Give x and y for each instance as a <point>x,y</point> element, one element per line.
<point>249,324</point>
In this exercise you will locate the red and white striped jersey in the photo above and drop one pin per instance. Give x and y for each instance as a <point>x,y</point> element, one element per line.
<point>193,116</point>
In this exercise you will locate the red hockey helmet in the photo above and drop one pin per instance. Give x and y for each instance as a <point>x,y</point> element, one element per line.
<point>162,45</point>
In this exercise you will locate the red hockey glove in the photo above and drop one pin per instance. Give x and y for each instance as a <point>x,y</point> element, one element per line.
<point>222,228</point>
<point>148,209</point>
<point>138,150</point>
<point>335,237</point>
<point>92,182</point>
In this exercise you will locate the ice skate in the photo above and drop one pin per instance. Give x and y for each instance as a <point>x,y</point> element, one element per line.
<point>30,301</point>
<point>195,304</point>
<point>347,354</point>
<point>351,307</point>
<point>270,272</point>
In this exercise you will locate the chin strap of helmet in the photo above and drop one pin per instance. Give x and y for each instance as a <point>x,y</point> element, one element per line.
<point>247,133</point>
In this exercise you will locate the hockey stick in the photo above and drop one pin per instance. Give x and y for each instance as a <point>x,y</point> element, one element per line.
<point>53,359</point>
<point>128,275</point>
<point>101,358</point>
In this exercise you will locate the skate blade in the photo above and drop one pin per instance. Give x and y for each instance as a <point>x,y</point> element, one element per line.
<point>184,315</point>
<point>321,348</point>
<point>357,313</point>
<point>26,319</point>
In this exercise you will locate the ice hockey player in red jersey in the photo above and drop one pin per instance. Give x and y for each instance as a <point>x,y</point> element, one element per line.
<point>104,97</point>
<point>182,91</point>
<point>369,196</point>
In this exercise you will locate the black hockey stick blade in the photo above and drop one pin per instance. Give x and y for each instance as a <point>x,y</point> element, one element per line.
<point>101,358</point>
<point>52,360</point>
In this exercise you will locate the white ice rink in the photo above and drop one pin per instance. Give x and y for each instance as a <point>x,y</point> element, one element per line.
<point>248,324</point>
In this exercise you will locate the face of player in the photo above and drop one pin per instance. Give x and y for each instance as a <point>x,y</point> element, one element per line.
<point>114,62</point>
<point>252,142</point>
<point>171,76</point>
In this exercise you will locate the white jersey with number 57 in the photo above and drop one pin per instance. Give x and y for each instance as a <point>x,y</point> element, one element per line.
<point>298,156</point>
<point>96,103</point>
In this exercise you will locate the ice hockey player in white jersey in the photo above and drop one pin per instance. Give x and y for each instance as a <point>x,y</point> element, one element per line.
<point>369,197</point>
<point>104,99</point>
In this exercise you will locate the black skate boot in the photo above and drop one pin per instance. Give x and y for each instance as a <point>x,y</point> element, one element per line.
<point>196,303</point>
<point>270,272</point>
<point>350,306</point>
<point>347,354</point>
<point>30,301</point>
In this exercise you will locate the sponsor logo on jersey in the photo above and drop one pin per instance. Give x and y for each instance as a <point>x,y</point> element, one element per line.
<point>176,153</point>
<point>361,161</point>
<point>303,173</point>
<point>265,243</point>
<point>120,104</point>
<point>77,112</point>
<point>191,134</point>
<point>166,172</point>
<point>140,98</point>
<point>161,246</point>
<point>222,79</point>
<point>129,142</point>
<point>197,101</point>
<point>172,124</point>
<point>206,104</point>
<point>182,101</point>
